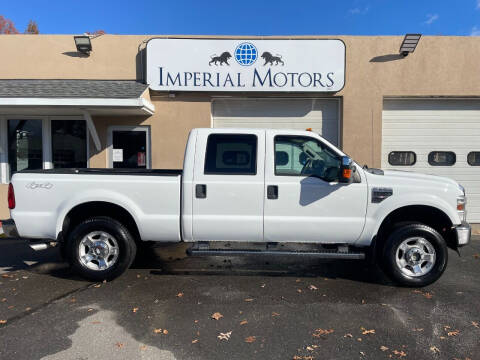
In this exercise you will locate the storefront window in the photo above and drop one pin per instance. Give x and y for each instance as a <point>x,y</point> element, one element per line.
<point>69,143</point>
<point>24,145</point>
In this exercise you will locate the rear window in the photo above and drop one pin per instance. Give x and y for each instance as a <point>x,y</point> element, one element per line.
<point>473,158</point>
<point>402,158</point>
<point>231,154</point>
<point>442,158</point>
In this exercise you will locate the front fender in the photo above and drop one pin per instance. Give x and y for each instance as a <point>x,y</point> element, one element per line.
<point>377,213</point>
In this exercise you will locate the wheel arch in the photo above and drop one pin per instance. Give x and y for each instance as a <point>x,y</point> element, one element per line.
<point>83,211</point>
<point>426,214</point>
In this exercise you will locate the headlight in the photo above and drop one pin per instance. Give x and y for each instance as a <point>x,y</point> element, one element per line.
<point>461,207</point>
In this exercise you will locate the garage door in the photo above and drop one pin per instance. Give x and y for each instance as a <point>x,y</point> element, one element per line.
<point>441,137</point>
<point>319,114</point>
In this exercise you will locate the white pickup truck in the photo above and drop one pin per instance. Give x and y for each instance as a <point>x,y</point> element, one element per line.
<point>245,192</point>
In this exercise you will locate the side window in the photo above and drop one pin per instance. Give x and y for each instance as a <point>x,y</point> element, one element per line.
<point>231,154</point>
<point>304,156</point>
<point>402,158</point>
<point>25,145</point>
<point>473,158</point>
<point>442,158</point>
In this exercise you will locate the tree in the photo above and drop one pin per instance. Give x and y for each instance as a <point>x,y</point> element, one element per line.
<point>32,28</point>
<point>96,33</point>
<point>7,26</point>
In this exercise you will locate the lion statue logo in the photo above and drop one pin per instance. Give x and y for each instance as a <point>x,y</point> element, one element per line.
<point>222,59</point>
<point>270,59</point>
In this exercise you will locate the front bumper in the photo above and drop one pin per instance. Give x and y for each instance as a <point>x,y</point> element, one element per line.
<point>9,228</point>
<point>464,233</point>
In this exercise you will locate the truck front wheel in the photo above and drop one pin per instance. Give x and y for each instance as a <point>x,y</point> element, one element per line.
<point>100,248</point>
<point>415,255</point>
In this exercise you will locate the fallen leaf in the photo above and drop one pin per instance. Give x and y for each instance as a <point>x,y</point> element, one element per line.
<point>248,300</point>
<point>366,332</point>
<point>298,280</point>
<point>104,281</point>
<point>363,301</point>
<point>4,299</point>
<point>180,294</point>
<point>322,332</point>
<point>196,321</point>
<point>476,324</point>
<point>165,331</point>
<point>157,331</point>
<point>143,347</point>
<point>72,300</point>
<point>275,314</point>
<point>3,322</point>
<point>194,341</point>
<point>263,285</point>
<point>428,295</point>
<point>418,329</point>
<point>96,322</point>
<point>362,353</point>
<point>383,348</point>
<point>312,287</point>
<point>135,309</point>
<point>250,339</point>
<point>217,316</point>
<point>139,276</point>
<point>97,285</point>
<point>453,333</point>
<point>11,307</point>
<point>119,345</point>
<point>348,335</point>
<point>25,277</point>
<point>476,256</point>
<point>359,339</point>
<point>243,322</point>
<point>90,309</point>
<point>225,336</point>
<point>6,276</point>
<point>400,353</point>
<point>299,290</point>
<point>434,349</point>
<point>28,308</point>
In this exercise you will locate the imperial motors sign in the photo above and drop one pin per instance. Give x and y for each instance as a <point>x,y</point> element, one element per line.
<point>245,65</point>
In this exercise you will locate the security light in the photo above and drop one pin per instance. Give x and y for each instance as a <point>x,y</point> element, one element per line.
<point>83,44</point>
<point>409,43</point>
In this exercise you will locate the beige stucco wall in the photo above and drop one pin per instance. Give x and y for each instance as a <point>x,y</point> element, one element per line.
<point>441,66</point>
<point>4,213</point>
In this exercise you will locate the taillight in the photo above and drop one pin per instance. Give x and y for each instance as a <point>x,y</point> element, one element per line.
<point>11,197</point>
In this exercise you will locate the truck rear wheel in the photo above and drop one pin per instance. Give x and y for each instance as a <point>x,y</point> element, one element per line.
<point>415,255</point>
<point>100,248</point>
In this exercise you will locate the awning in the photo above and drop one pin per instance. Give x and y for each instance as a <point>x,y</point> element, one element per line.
<point>75,97</point>
<point>98,97</point>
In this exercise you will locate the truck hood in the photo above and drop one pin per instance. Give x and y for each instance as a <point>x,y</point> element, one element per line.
<point>409,175</point>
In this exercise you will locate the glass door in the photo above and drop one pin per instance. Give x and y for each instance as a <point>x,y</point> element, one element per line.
<point>129,147</point>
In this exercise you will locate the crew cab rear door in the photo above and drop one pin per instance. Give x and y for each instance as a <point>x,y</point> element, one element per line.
<point>228,193</point>
<point>304,201</point>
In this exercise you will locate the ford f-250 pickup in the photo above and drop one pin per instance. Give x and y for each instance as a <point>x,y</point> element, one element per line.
<point>245,192</point>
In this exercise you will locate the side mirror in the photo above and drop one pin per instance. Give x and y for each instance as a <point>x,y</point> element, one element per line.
<point>346,170</point>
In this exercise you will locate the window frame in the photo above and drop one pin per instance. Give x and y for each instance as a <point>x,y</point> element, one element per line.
<point>403,151</point>
<point>47,157</point>
<point>441,151</point>
<point>468,161</point>
<point>230,173</point>
<point>300,175</point>
<point>140,128</point>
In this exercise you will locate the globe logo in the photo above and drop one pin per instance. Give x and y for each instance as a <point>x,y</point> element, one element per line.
<point>246,54</point>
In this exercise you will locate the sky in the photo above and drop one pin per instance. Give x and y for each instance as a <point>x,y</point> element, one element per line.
<point>248,17</point>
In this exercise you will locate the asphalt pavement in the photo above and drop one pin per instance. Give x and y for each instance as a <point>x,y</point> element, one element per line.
<point>172,307</point>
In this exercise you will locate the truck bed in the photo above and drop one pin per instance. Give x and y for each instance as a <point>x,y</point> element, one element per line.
<point>45,197</point>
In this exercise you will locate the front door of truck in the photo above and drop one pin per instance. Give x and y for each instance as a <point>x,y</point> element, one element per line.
<point>228,186</point>
<point>304,200</point>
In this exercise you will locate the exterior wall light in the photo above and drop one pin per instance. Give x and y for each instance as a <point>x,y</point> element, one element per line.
<point>409,43</point>
<point>83,44</point>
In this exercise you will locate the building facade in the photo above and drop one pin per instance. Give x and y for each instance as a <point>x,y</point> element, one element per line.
<point>62,108</point>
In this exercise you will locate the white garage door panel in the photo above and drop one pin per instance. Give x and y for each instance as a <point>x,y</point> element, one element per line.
<point>423,126</point>
<point>319,114</point>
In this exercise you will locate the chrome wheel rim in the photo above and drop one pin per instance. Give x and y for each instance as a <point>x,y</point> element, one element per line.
<point>98,251</point>
<point>415,256</point>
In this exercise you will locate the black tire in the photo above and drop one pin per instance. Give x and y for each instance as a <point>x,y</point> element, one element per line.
<point>126,245</point>
<point>397,237</point>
